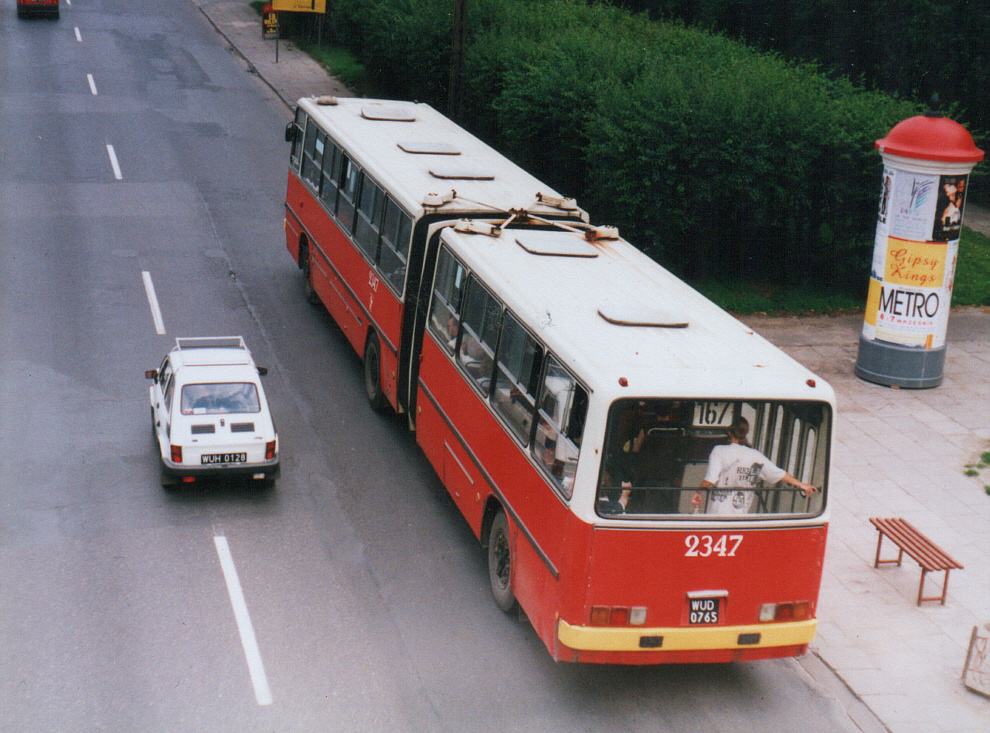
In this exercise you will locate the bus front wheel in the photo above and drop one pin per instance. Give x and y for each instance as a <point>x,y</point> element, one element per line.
<point>500,562</point>
<point>373,372</point>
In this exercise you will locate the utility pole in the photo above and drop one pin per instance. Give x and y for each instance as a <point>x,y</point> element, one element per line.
<point>456,60</point>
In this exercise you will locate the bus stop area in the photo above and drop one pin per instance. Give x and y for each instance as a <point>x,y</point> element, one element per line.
<point>906,453</point>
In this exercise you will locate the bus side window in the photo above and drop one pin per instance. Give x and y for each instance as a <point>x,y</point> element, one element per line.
<point>517,377</point>
<point>445,311</point>
<point>313,155</point>
<point>480,327</point>
<point>331,175</point>
<point>296,155</point>
<point>369,218</point>
<point>350,178</point>
<point>395,244</point>
<point>563,407</point>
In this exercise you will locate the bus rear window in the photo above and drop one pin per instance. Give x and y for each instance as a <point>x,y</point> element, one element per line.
<point>726,458</point>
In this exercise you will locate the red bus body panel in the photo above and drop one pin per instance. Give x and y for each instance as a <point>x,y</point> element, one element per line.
<point>495,460</point>
<point>347,285</point>
<point>657,569</point>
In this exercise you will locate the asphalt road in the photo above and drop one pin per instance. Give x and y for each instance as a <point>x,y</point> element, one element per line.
<point>138,149</point>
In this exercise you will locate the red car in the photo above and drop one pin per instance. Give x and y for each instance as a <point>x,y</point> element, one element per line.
<point>26,8</point>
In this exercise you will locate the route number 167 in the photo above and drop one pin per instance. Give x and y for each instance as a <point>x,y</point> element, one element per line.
<point>705,545</point>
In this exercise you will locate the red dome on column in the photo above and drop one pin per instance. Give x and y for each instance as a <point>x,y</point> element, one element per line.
<point>929,137</point>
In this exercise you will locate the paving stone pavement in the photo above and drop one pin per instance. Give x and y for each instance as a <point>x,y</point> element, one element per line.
<point>898,452</point>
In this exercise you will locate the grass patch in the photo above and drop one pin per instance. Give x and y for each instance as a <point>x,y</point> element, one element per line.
<point>750,298</point>
<point>972,284</point>
<point>340,63</point>
<point>976,469</point>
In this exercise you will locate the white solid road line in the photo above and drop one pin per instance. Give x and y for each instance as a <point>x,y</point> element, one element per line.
<point>92,84</point>
<point>156,311</point>
<point>256,667</point>
<point>113,162</point>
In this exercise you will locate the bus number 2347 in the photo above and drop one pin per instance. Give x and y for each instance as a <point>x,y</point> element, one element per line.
<point>705,545</point>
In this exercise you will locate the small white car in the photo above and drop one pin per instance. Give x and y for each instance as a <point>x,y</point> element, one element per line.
<point>209,413</point>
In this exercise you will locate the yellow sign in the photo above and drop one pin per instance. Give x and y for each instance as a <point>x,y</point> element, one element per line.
<point>919,264</point>
<point>300,6</point>
<point>873,301</point>
<point>269,22</point>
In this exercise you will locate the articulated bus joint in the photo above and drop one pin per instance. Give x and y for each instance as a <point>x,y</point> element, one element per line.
<point>678,638</point>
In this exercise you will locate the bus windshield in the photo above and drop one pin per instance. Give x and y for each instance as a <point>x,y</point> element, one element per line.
<point>728,458</point>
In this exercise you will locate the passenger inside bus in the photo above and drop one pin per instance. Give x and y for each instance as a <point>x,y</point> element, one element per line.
<point>649,437</point>
<point>676,457</point>
<point>734,470</point>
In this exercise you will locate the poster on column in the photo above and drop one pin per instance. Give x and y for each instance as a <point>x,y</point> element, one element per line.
<point>914,258</point>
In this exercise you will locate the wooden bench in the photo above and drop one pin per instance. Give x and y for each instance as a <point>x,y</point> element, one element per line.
<point>926,553</point>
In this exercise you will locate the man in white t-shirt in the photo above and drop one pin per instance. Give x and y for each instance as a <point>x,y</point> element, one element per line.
<point>734,470</point>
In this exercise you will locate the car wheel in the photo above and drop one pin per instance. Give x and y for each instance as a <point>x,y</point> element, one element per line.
<point>168,482</point>
<point>373,373</point>
<point>500,562</point>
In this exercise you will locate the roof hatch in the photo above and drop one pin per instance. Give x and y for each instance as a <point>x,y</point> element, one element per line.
<point>393,114</point>
<point>639,315</point>
<point>556,244</point>
<point>462,173</point>
<point>424,147</point>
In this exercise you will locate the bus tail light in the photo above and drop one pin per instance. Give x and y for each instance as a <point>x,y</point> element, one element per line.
<point>796,611</point>
<point>618,615</point>
<point>270,450</point>
<point>176,454</point>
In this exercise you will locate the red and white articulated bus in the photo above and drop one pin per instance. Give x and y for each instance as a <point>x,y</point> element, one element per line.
<point>649,476</point>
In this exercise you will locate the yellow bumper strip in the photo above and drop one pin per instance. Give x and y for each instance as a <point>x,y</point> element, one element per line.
<point>627,638</point>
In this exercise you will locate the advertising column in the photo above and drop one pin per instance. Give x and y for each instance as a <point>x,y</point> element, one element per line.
<point>927,161</point>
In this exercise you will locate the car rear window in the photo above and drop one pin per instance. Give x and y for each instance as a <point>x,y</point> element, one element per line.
<point>220,398</point>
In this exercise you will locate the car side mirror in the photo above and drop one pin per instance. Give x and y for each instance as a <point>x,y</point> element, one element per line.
<point>290,132</point>
<point>262,371</point>
<point>151,374</point>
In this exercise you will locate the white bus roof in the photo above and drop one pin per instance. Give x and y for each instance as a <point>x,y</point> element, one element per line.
<point>614,315</point>
<point>422,158</point>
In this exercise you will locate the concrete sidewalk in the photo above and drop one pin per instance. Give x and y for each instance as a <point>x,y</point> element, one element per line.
<point>898,453</point>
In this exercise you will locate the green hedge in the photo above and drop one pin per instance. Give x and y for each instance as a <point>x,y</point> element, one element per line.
<point>714,158</point>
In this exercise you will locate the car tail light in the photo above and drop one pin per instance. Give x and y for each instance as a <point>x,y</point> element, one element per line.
<point>270,450</point>
<point>796,611</point>
<point>618,615</point>
<point>176,454</point>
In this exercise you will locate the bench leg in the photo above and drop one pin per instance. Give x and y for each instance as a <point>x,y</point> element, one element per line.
<point>921,589</point>
<point>877,562</point>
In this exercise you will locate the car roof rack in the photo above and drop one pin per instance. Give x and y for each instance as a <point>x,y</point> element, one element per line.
<point>211,342</point>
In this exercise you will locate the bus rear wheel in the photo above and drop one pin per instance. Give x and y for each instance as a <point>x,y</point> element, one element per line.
<point>307,268</point>
<point>500,562</point>
<point>373,372</point>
